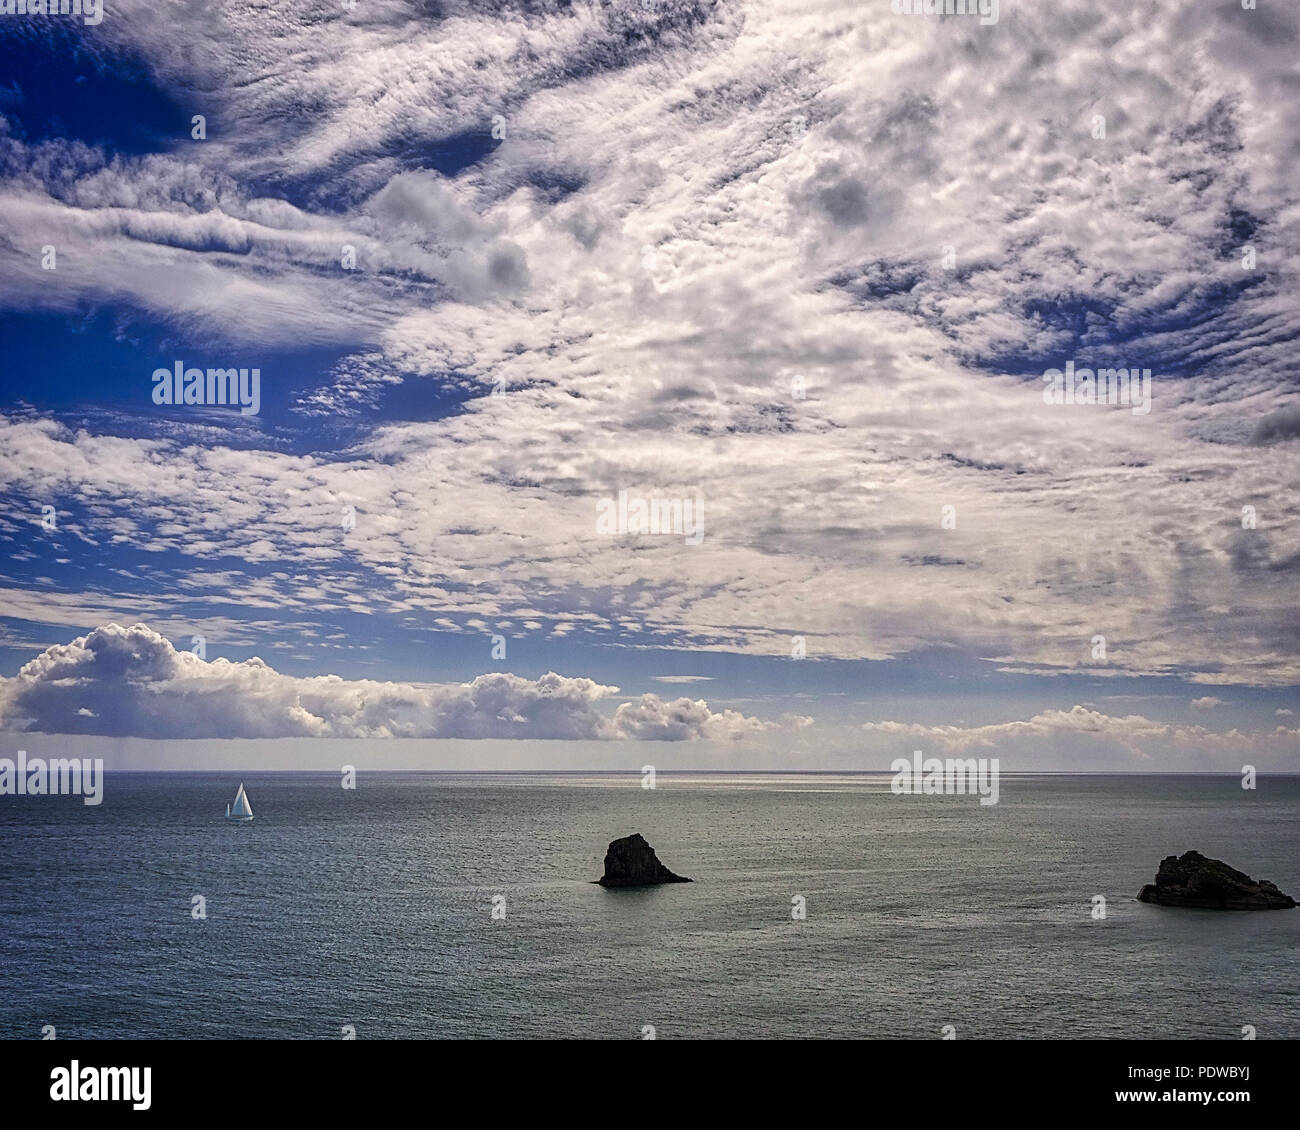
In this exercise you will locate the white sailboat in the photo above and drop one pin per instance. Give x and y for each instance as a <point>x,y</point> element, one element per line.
<point>240,810</point>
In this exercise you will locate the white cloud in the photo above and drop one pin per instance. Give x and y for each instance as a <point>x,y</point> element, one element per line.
<point>683,719</point>
<point>1082,739</point>
<point>131,682</point>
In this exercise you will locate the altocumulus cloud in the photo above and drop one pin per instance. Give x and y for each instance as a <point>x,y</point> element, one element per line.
<point>131,682</point>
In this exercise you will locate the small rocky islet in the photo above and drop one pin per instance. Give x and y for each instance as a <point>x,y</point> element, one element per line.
<point>1195,880</point>
<point>631,862</point>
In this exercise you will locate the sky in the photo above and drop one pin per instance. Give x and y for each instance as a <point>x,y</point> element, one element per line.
<point>507,278</point>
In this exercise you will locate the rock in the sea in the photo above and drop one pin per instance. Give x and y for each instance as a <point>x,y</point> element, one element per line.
<point>631,862</point>
<point>1194,880</point>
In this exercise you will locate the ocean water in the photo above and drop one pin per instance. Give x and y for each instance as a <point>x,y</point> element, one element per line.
<point>373,908</point>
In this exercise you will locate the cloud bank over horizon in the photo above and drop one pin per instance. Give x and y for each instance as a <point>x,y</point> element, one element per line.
<point>131,682</point>
<point>1091,733</point>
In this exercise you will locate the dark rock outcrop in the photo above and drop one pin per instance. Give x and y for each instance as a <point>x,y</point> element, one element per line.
<point>631,862</point>
<point>1194,880</point>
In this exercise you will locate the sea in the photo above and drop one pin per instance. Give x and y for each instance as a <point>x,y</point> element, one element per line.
<point>454,906</point>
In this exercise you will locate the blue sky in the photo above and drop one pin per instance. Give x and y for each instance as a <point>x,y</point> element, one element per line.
<point>801,267</point>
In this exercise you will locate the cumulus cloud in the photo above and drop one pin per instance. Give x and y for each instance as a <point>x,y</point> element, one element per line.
<point>1082,737</point>
<point>1206,702</point>
<point>131,682</point>
<point>652,718</point>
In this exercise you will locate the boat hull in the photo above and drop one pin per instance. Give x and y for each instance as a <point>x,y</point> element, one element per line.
<point>238,819</point>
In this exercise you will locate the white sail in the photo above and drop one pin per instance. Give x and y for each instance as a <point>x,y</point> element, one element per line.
<point>241,806</point>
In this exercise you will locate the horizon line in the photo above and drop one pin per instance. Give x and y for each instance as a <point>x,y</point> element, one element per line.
<point>727,772</point>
